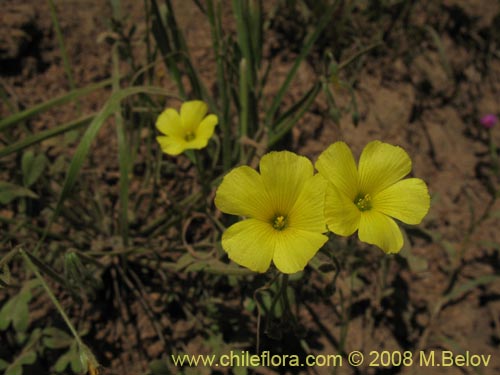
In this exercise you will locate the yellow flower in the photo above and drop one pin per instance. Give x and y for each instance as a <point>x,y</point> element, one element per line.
<point>283,209</point>
<point>189,130</point>
<point>368,197</point>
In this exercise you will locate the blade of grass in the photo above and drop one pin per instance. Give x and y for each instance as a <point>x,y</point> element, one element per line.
<point>255,27</point>
<point>5,98</point>
<point>294,114</point>
<point>214,17</point>
<point>308,44</point>
<point>150,56</point>
<point>30,112</point>
<point>117,9</point>
<point>62,47</point>
<point>33,228</point>
<point>84,146</point>
<point>244,105</point>
<point>181,47</point>
<point>248,16</point>
<point>240,9</point>
<point>123,154</point>
<point>466,287</point>
<point>163,41</point>
<point>49,133</point>
<point>91,362</point>
<point>441,51</point>
<point>47,269</point>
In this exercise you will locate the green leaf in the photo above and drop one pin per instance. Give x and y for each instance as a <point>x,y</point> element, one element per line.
<point>20,320</point>
<point>16,311</point>
<point>54,338</point>
<point>6,314</point>
<point>63,362</point>
<point>72,358</point>
<point>9,192</point>
<point>76,364</point>
<point>16,367</point>
<point>32,167</point>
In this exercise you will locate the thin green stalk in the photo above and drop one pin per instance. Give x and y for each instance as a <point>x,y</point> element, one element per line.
<point>6,259</point>
<point>493,155</point>
<point>149,54</point>
<point>123,154</point>
<point>249,29</point>
<point>30,112</point>
<point>255,26</point>
<point>216,31</point>
<point>308,44</point>
<point>201,173</point>
<point>244,110</point>
<point>240,8</point>
<point>52,297</point>
<point>49,133</point>
<point>164,44</point>
<point>33,228</point>
<point>62,47</point>
<point>361,52</point>
<point>5,98</point>
<point>117,9</point>
<point>180,45</point>
<point>86,357</point>
<point>284,294</point>
<point>293,115</point>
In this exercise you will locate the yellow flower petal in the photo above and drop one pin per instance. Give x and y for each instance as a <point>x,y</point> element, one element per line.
<point>242,193</point>
<point>380,166</point>
<point>307,212</point>
<point>197,143</point>
<point>250,243</point>
<point>341,214</point>
<point>378,229</point>
<point>169,123</point>
<point>207,126</point>
<point>337,165</point>
<point>407,200</point>
<point>284,175</point>
<point>295,248</point>
<point>192,113</point>
<point>171,145</point>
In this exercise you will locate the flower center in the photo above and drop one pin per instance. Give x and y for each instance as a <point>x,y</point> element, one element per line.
<point>363,202</point>
<point>189,136</point>
<point>279,222</point>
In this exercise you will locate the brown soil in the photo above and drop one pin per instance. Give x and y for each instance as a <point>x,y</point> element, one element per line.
<point>422,93</point>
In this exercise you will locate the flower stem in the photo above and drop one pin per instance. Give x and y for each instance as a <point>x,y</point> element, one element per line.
<point>201,173</point>
<point>493,154</point>
<point>91,361</point>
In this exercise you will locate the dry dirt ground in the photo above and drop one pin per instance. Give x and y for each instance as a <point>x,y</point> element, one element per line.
<point>424,89</point>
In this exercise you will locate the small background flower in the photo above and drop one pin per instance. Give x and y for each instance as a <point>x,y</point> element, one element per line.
<point>368,197</point>
<point>489,120</point>
<point>283,207</point>
<point>188,130</point>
